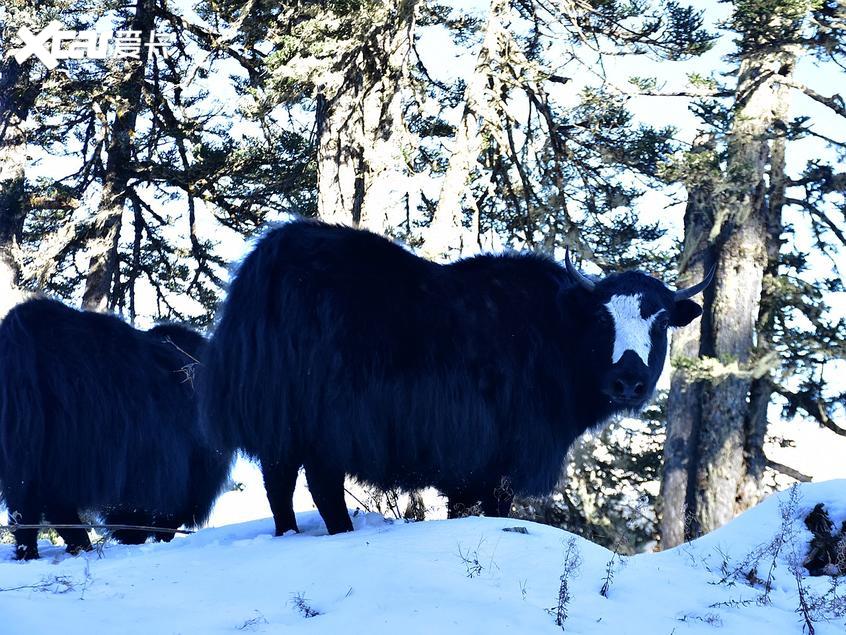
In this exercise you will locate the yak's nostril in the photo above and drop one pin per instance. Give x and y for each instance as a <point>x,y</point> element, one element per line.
<point>619,387</point>
<point>639,389</point>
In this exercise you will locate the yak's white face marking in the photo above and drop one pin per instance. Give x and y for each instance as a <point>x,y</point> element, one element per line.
<point>631,331</point>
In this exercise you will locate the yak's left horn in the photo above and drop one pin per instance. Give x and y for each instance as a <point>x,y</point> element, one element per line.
<point>684,294</point>
<point>581,278</point>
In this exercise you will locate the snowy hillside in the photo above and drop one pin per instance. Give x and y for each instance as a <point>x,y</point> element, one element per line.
<point>458,576</point>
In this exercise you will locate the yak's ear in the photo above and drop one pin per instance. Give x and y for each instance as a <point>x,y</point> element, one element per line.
<point>684,312</point>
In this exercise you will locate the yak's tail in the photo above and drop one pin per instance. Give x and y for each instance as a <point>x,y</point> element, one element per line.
<point>209,477</point>
<point>210,463</point>
<point>243,395</point>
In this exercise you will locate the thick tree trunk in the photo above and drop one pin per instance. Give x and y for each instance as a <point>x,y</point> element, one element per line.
<point>742,233</point>
<point>103,263</point>
<point>360,162</point>
<point>17,95</point>
<point>732,313</point>
<point>685,399</point>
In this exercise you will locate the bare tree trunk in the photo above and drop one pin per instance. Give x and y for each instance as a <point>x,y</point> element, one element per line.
<point>103,263</point>
<point>360,173</point>
<point>742,236</point>
<point>17,95</point>
<point>685,398</point>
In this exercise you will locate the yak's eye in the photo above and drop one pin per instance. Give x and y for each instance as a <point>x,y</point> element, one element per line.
<point>663,321</point>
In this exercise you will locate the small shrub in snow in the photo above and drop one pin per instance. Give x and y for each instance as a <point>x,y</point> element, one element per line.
<point>572,562</point>
<point>612,566</point>
<point>712,619</point>
<point>302,606</point>
<point>253,622</point>
<point>824,557</point>
<point>831,604</point>
<point>471,560</point>
<point>804,610</point>
<point>58,584</point>
<point>766,555</point>
<point>388,503</point>
<point>734,604</point>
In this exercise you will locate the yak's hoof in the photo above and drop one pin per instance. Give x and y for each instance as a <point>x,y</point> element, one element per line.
<point>128,537</point>
<point>75,550</point>
<point>26,552</point>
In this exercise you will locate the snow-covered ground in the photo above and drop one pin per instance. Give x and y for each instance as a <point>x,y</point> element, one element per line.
<point>456,576</point>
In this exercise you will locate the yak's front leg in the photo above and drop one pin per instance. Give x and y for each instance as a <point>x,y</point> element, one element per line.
<point>326,485</point>
<point>76,539</point>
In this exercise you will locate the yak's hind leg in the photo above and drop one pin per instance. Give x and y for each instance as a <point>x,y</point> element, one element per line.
<point>326,485</point>
<point>129,536</point>
<point>461,503</point>
<point>164,536</point>
<point>76,539</point>
<point>164,522</point>
<point>497,498</point>
<point>280,479</point>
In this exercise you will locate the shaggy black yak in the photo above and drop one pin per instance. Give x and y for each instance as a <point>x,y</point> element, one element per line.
<point>98,416</point>
<point>340,351</point>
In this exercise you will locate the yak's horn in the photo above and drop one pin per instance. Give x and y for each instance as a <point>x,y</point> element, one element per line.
<point>581,278</point>
<point>684,294</point>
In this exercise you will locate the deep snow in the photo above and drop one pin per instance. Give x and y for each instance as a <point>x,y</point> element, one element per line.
<point>393,577</point>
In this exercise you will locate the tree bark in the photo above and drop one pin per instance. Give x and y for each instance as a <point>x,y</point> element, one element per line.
<point>360,127</point>
<point>103,263</point>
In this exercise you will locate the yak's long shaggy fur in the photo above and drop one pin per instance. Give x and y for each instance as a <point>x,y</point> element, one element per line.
<point>96,415</point>
<point>341,351</point>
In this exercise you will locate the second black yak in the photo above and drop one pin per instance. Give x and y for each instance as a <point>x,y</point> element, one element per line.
<point>342,352</point>
<point>98,416</point>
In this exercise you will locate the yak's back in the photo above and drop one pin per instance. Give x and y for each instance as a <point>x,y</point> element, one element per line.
<point>335,256</point>
<point>345,287</point>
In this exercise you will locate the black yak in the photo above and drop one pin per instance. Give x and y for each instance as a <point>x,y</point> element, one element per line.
<point>98,416</point>
<point>340,351</point>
